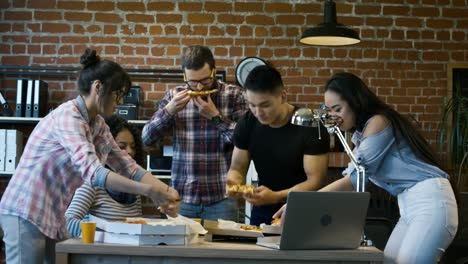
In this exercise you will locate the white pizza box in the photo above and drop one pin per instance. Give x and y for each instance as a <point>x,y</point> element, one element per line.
<point>145,240</point>
<point>271,229</point>
<point>174,226</point>
<point>269,239</point>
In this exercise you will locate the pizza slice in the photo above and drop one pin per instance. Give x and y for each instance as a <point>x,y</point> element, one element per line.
<point>250,228</point>
<point>241,188</point>
<point>202,93</point>
<point>276,221</point>
<point>134,221</point>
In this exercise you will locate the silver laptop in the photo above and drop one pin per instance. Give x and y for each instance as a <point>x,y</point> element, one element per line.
<point>322,220</point>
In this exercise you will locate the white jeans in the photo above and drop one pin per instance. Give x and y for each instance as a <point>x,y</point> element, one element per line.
<point>24,243</point>
<point>428,223</point>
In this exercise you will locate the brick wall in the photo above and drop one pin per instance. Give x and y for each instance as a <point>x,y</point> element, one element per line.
<point>403,56</point>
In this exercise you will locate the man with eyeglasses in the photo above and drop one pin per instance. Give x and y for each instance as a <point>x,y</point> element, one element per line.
<point>201,115</point>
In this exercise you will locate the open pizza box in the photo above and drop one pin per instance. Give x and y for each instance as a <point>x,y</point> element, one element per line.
<point>151,227</point>
<point>229,228</point>
<point>179,225</point>
<point>223,228</point>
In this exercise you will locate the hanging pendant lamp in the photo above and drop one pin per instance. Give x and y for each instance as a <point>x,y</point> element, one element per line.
<point>330,33</point>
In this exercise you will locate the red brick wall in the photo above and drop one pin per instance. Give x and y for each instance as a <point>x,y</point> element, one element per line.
<point>403,56</point>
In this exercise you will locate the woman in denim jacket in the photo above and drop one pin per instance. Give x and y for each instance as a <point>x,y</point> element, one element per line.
<point>398,159</point>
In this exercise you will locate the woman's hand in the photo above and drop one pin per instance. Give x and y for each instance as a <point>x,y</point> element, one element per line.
<point>281,214</point>
<point>167,200</point>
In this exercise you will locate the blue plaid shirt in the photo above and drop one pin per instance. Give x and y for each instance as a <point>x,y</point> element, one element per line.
<point>201,150</point>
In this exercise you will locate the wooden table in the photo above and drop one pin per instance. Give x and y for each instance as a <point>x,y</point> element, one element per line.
<point>73,251</point>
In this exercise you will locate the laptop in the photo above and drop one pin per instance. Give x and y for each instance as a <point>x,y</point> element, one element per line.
<point>321,220</point>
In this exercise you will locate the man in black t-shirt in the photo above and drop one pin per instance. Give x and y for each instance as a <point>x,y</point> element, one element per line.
<point>287,157</point>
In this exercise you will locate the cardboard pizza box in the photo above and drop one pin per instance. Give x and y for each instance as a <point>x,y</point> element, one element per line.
<point>145,240</point>
<point>152,226</point>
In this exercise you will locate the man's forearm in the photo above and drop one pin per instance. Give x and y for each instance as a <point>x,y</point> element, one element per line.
<point>308,185</point>
<point>156,127</point>
<point>148,178</point>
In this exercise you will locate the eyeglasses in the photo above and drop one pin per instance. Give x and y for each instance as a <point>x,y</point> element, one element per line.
<point>205,81</point>
<point>118,94</point>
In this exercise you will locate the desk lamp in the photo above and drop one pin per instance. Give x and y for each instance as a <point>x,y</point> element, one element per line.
<point>309,118</point>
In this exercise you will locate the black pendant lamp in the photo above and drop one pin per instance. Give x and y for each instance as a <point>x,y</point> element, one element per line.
<point>330,33</point>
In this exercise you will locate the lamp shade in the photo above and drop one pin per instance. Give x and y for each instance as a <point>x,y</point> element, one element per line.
<point>330,33</point>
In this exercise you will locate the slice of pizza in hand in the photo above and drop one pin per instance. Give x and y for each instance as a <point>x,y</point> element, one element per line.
<point>201,93</point>
<point>240,188</point>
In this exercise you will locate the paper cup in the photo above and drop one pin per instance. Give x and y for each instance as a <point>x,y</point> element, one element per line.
<point>88,229</point>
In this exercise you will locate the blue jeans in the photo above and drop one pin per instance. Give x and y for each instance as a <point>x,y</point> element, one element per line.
<point>428,223</point>
<point>24,243</point>
<point>226,209</point>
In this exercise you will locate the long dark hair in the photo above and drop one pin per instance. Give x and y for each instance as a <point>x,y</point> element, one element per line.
<point>109,73</point>
<point>365,104</point>
<point>117,124</point>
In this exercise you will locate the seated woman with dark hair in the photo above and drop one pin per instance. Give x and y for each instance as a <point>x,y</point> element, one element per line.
<point>105,203</point>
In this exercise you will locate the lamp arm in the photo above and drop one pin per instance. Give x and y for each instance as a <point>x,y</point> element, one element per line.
<point>361,171</point>
<point>309,118</point>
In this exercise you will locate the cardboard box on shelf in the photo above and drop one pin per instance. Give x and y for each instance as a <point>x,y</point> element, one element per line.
<point>127,111</point>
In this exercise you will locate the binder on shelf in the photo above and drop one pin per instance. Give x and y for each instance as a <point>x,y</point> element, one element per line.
<point>133,96</point>
<point>40,98</point>
<point>5,109</point>
<point>2,149</point>
<point>29,98</point>
<point>21,86</point>
<point>14,148</point>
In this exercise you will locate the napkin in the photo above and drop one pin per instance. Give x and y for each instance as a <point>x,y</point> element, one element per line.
<point>193,226</point>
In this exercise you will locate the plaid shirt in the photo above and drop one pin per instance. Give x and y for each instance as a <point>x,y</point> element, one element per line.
<point>64,150</point>
<point>201,150</point>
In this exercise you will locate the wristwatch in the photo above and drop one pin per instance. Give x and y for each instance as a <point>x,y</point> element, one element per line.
<point>217,119</point>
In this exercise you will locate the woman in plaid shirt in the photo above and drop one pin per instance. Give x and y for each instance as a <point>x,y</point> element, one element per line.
<point>69,146</point>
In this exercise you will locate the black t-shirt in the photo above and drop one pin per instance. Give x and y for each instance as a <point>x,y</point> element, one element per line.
<point>278,153</point>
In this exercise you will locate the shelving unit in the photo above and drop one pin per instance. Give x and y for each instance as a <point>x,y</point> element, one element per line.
<point>73,72</point>
<point>34,120</point>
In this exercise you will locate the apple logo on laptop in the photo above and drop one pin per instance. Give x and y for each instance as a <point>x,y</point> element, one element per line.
<point>325,220</point>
